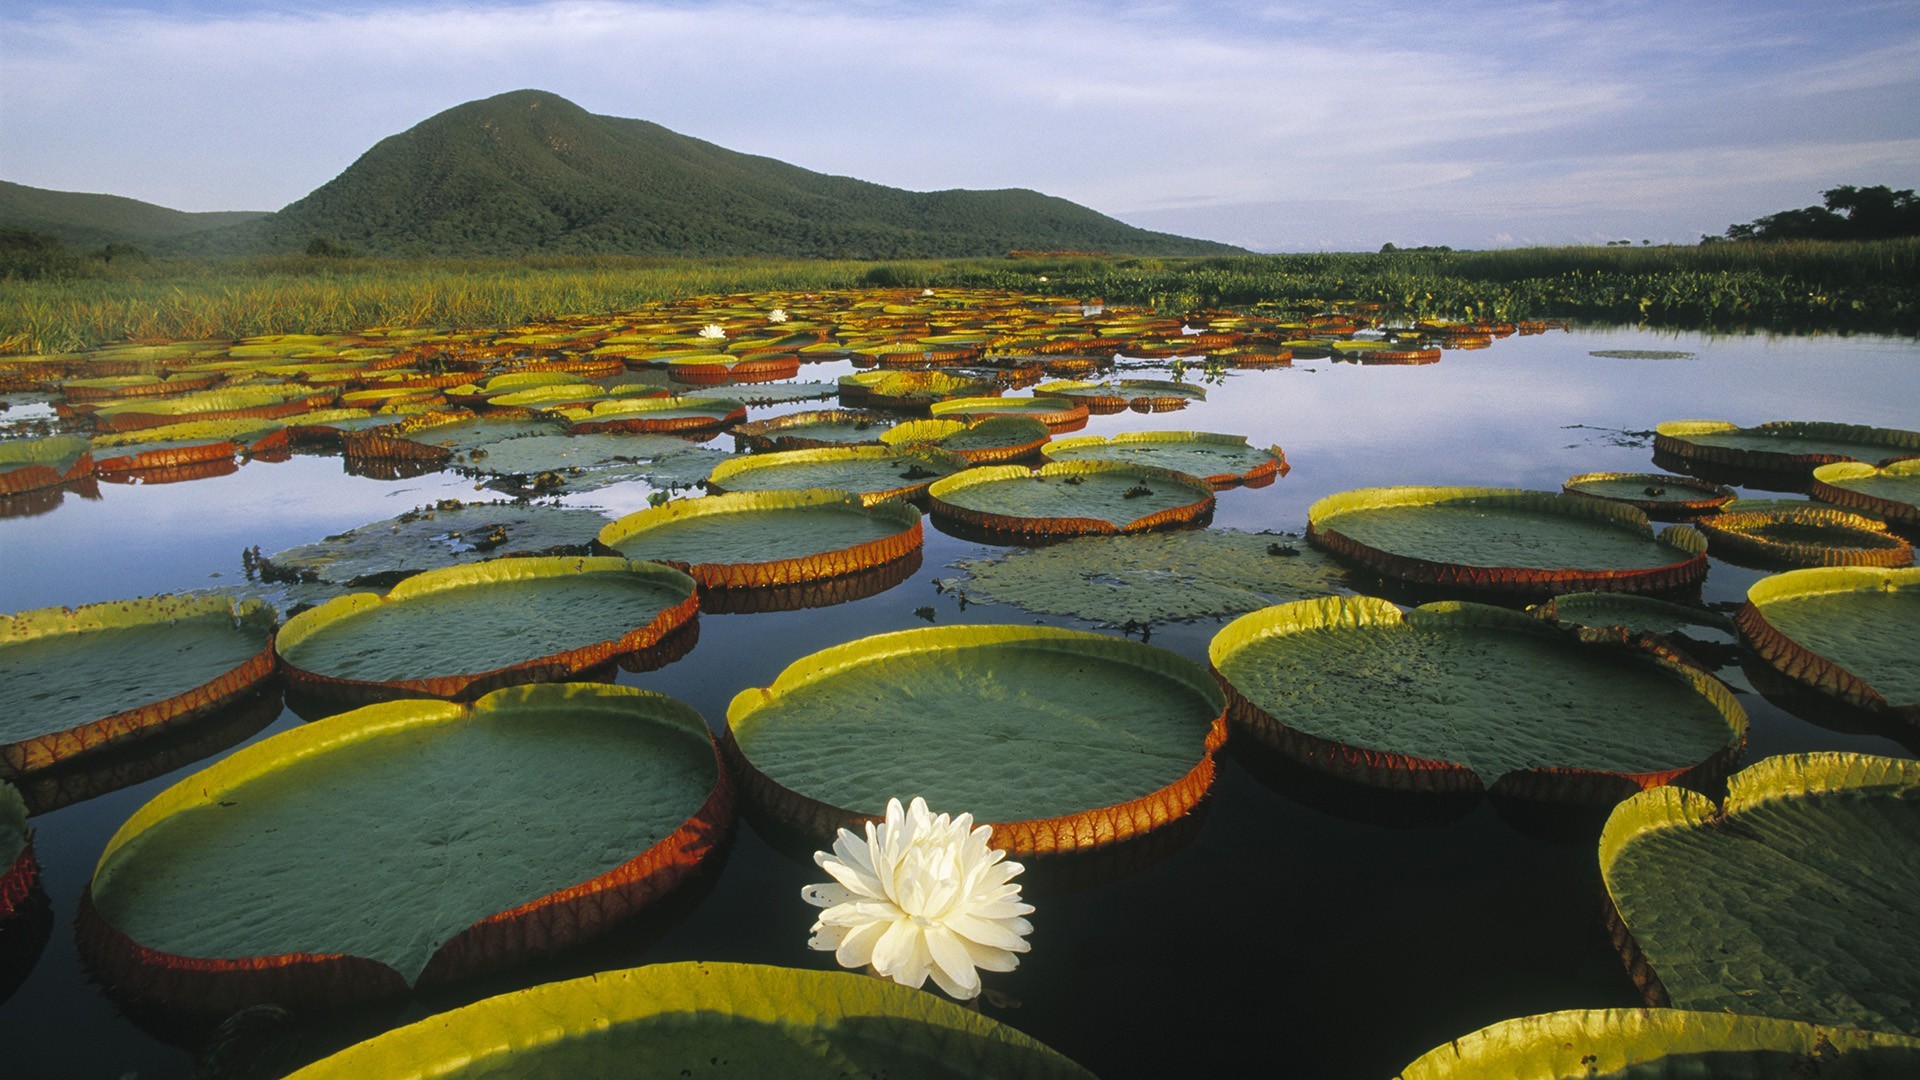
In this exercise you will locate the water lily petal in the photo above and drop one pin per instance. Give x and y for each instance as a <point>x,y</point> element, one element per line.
<point>856,949</point>
<point>952,967</point>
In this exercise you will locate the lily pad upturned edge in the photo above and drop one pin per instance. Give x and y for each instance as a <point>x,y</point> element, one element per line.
<point>537,927</point>
<point>996,524</point>
<point>865,555</point>
<point>1846,538</point>
<point>1803,665</point>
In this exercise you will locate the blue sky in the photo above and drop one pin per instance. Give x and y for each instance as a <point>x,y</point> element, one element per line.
<point>1276,126</point>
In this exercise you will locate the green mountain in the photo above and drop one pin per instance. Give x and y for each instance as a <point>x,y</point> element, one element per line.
<point>529,171</point>
<point>87,220</point>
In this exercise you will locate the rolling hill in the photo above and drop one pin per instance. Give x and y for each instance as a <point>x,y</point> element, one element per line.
<point>86,220</point>
<point>531,172</point>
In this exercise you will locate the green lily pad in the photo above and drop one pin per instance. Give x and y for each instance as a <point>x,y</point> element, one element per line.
<point>689,1019</point>
<point>1505,540</point>
<point>1143,394</point>
<point>1804,536</point>
<point>1153,577</point>
<point>227,403</point>
<point>1848,632</point>
<point>1055,412</point>
<point>1060,739</point>
<point>1657,495</point>
<point>407,843</point>
<point>461,631</point>
<point>781,392</point>
<point>1220,460</point>
<point>74,680</point>
<point>1891,491</point>
<point>759,538</point>
<point>908,389</point>
<point>1584,1044</point>
<point>1638,614</point>
<point>1782,446</point>
<point>657,414</point>
<point>30,464</point>
<point>593,461</point>
<point>431,537</point>
<point>185,444</point>
<point>990,440</point>
<point>1457,697</point>
<point>1793,899</point>
<point>440,436</point>
<point>812,430</point>
<point>1070,498</point>
<point>875,473</point>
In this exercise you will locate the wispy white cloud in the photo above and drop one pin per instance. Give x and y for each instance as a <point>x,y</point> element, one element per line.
<point>1176,115</point>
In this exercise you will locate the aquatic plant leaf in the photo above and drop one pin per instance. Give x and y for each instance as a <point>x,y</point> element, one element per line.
<point>1220,460</point>
<point>1848,632</point>
<point>1803,536</point>
<point>782,392</point>
<point>1657,495</point>
<point>441,535</point>
<point>1642,354</point>
<point>1793,898</point>
<point>760,538</point>
<point>1639,614</point>
<point>1150,577</point>
<point>475,836</point>
<point>1060,739</point>
<point>1457,696</point>
<point>19,870</point>
<point>1581,1044</point>
<point>31,464</point>
<point>1505,540</point>
<point>990,440</point>
<point>811,429</point>
<point>462,631</point>
<point>74,680</point>
<point>1070,498</point>
<point>1781,446</point>
<point>688,1019</point>
<point>169,445</point>
<point>1891,491</point>
<point>875,473</point>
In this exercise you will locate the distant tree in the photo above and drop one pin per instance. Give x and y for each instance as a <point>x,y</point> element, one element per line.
<point>123,252</point>
<point>1850,213</point>
<point>1388,246</point>
<point>26,255</point>
<point>327,247</point>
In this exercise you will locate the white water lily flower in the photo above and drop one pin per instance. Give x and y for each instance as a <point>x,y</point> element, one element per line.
<point>777,315</point>
<point>713,330</point>
<point>920,895</point>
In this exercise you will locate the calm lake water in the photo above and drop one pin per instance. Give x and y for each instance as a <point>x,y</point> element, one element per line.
<point>1295,933</point>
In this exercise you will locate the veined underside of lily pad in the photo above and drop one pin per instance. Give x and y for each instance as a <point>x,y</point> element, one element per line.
<point>171,445</point>
<point>32,464</point>
<point>1846,632</point>
<point>1582,1044</point>
<point>757,539</point>
<point>688,1019</point>
<point>405,844</point>
<point>1505,540</point>
<point>1457,697</point>
<point>1062,740</point>
<point>462,631</point>
<point>1793,898</point>
<point>74,680</point>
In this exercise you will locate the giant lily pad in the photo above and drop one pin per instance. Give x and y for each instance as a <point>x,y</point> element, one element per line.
<point>552,463</point>
<point>440,436</point>
<point>190,443</point>
<point>1793,899</point>
<point>1848,632</point>
<point>1185,574</point>
<point>689,1019</point>
<point>1060,739</point>
<point>908,389</point>
<point>1220,460</point>
<point>1781,446</point>
<point>1668,498</point>
<point>1891,491</point>
<point>811,430</point>
<point>229,403</point>
<point>1457,697</point>
<point>73,680</point>
<point>655,414</point>
<point>875,473</point>
<point>756,539</point>
<point>1057,413</point>
<point>991,440</point>
<point>462,631</point>
<point>1698,634</point>
<point>405,844</point>
<point>1505,540</point>
<point>1584,1044</point>
<point>431,537</point>
<point>1069,498</point>
<point>1804,536</point>
<point>31,464</point>
<point>1142,395</point>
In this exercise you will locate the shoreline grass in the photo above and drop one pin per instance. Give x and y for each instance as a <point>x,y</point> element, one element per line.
<point>1793,286</point>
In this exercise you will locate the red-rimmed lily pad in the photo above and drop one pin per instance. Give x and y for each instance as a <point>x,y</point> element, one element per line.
<point>689,1019</point>
<point>1221,460</point>
<point>1659,496</point>
<point>1070,498</point>
<point>1583,1044</point>
<point>991,440</point>
<point>1847,632</point>
<point>657,414</point>
<point>1141,395</point>
<point>405,844</point>
<point>1057,413</point>
<point>1890,491</point>
<point>1455,697</point>
<point>74,680</point>
<point>875,473</point>
<point>755,539</point>
<point>1793,898</point>
<point>462,631</point>
<point>1061,740</point>
<point>1505,540</point>
<point>909,389</point>
<point>1792,447</point>
<point>813,429</point>
<point>1804,536</point>
<point>172,445</point>
<point>32,464</point>
<point>273,402</point>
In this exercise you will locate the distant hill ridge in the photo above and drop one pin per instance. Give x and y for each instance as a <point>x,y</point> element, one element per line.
<point>531,172</point>
<point>86,220</point>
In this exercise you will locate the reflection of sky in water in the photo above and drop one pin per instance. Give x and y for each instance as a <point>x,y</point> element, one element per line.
<point>1475,920</point>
